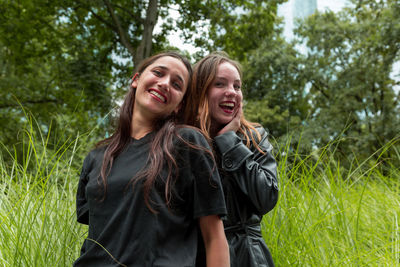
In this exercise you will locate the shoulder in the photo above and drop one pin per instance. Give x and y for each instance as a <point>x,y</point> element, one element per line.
<point>257,131</point>
<point>188,131</point>
<point>191,134</point>
<point>258,137</point>
<point>261,130</point>
<point>94,156</point>
<point>190,139</point>
<point>97,152</point>
<point>261,137</point>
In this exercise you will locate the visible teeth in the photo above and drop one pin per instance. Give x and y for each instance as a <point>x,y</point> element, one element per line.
<point>157,95</point>
<point>231,105</point>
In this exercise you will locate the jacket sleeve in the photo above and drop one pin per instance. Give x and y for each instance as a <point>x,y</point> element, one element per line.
<point>255,173</point>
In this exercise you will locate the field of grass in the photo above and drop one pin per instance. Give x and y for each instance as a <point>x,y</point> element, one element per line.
<point>326,215</point>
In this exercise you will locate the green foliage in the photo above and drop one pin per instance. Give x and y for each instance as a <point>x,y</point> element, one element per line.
<point>45,72</point>
<point>67,62</point>
<point>334,81</point>
<point>274,86</point>
<point>234,26</point>
<point>349,63</point>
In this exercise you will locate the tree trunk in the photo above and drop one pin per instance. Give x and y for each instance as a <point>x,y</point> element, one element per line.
<point>144,49</point>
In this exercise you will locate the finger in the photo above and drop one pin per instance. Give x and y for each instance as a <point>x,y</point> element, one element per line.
<point>239,111</point>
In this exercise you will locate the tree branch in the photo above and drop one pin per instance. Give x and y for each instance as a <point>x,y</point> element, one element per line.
<point>112,27</point>
<point>318,87</point>
<point>97,16</point>
<point>121,32</point>
<point>135,18</point>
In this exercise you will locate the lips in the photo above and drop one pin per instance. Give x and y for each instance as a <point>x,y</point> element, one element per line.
<point>157,95</point>
<point>227,106</point>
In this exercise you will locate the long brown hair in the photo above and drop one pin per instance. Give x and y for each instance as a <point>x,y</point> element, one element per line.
<point>161,146</point>
<point>197,111</point>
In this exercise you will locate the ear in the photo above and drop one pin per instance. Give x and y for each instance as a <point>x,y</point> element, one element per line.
<point>135,78</point>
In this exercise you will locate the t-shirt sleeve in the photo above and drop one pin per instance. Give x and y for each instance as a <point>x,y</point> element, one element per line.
<point>207,193</point>
<point>82,208</point>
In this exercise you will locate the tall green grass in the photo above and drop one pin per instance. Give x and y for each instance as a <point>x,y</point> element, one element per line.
<point>37,209</point>
<point>327,215</point>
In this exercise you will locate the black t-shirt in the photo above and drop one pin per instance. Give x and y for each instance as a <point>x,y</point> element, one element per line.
<point>123,231</point>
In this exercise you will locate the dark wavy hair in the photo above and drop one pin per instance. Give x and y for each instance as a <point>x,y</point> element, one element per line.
<point>161,147</point>
<point>197,111</point>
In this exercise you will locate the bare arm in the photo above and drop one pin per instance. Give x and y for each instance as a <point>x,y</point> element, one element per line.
<point>217,250</point>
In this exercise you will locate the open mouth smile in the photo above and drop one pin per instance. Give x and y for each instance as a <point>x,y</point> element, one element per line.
<point>227,107</point>
<point>158,96</point>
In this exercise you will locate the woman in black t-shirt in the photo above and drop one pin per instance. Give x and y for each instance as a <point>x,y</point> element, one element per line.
<point>245,162</point>
<point>147,190</point>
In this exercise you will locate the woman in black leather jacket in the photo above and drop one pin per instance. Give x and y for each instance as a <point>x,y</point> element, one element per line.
<point>244,155</point>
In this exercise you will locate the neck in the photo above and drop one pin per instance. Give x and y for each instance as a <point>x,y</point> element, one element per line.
<point>140,126</point>
<point>214,129</point>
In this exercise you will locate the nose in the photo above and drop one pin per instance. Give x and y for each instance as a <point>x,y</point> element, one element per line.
<point>230,91</point>
<point>164,83</point>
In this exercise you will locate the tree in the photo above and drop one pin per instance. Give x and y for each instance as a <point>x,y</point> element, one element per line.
<point>44,72</point>
<point>226,25</point>
<point>275,87</point>
<point>339,86</point>
<point>349,64</point>
<point>66,62</point>
<point>237,27</point>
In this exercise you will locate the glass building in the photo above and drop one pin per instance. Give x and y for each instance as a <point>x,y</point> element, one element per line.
<point>304,8</point>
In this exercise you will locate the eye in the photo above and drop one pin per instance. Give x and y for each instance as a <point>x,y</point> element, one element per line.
<point>157,73</point>
<point>177,85</point>
<point>237,87</point>
<point>219,84</point>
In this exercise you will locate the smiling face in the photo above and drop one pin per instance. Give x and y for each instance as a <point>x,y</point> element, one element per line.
<point>160,88</point>
<point>224,95</point>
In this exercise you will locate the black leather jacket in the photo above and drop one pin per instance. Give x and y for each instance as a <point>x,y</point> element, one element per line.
<point>250,186</point>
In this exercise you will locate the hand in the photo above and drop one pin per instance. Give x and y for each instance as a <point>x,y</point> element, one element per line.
<point>234,124</point>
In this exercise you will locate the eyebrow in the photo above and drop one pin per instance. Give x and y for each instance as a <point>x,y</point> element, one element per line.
<point>166,68</point>
<point>225,79</point>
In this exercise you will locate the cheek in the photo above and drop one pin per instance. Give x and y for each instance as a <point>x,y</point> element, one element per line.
<point>212,101</point>
<point>240,96</point>
<point>213,96</point>
<point>178,97</point>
